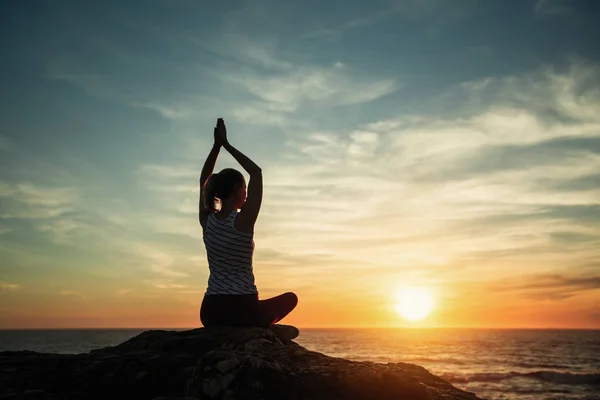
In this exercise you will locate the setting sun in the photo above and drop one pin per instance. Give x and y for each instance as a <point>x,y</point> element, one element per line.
<point>414,304</point>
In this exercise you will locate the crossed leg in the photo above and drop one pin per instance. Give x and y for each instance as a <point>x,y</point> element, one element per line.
<point>276,308</point>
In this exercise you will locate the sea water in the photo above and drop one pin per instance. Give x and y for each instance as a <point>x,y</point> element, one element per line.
<point>494,364</point>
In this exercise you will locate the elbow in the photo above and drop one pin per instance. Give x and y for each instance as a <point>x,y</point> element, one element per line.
<point>256,171</point>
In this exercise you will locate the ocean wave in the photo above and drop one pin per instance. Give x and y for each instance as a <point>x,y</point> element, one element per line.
<point>564,378</point>
<point>540,365</point>
<point>541,391</point>
<point>444,360</point>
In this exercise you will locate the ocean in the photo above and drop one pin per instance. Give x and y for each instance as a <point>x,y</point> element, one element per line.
<point>494,364</point>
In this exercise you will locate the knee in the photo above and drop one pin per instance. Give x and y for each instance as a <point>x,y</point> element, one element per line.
<point>292,299</point>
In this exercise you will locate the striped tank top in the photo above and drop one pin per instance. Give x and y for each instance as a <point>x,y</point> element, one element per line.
<point>229,254</point>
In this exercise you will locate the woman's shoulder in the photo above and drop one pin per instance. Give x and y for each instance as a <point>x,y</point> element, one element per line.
<point>242,228</point>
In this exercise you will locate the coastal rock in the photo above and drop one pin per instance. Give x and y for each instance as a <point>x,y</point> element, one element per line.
<point>212,363</point>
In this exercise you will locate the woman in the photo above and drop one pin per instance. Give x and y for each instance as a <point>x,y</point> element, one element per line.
<point>232,297</point>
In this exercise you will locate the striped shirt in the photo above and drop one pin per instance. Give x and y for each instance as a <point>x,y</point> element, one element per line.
<point>229,254</point>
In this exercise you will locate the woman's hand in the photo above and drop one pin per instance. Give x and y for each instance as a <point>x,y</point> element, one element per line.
<point>221,133</point>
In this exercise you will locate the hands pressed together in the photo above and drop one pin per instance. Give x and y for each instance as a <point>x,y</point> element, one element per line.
<point>220,133</point>
<point>221,140</point>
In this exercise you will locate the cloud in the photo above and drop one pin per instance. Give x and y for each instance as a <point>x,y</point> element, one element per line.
<point>170,286</point>
<point>568,157</point>
<point>177,188</point>
<point>33,189</point>
<point>33,201</point>
<point>245,50</point>
<point>581,183</point>
<point>159,260</point>
<point>493,171</point>
<point>305,86</point>
<point>438,189</point>
<point>262,86</point>
<point>551,286</point>
<point>257,77</point>
<point>62,229</point>
<point>166,271</point>
<point>36,195</point>
<point>9,286</point>
<point>575,237</point>
<point>502,181</point>
<point>552,94</point>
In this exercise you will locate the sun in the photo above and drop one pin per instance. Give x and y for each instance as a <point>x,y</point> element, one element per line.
<point>413,303</point>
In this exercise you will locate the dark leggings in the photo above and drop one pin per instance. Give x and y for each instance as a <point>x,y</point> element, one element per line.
<point>245,310</point>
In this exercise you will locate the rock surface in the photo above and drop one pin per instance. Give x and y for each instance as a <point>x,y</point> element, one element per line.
<point>212,363</point>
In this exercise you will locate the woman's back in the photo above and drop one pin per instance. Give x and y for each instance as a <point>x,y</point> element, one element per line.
<point>230,255</point>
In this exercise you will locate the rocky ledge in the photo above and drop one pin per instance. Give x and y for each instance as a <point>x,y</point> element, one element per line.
<point>212,363</point>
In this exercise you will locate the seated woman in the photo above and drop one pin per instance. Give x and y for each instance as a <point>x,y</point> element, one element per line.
<point>232,297</point>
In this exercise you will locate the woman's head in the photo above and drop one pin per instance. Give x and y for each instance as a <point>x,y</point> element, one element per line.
<point>227,186</point>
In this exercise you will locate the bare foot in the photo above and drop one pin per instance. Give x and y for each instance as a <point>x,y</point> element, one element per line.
<point>285,333</point>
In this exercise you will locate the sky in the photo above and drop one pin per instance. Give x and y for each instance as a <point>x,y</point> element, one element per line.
<point>451,146</point>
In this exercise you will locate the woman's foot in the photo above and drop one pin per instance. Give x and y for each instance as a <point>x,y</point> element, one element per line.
<point>285,333</point>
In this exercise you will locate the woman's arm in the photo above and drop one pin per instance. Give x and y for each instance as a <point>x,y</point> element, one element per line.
<point>249,212</point>
<point>207,170</point>
<point>221,138</point>
<point>246,163</point>
<point>209,164</point>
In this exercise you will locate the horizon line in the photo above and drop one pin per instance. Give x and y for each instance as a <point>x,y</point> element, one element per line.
<point>313,328</point>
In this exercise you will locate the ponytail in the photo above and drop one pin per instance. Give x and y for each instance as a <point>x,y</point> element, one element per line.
<point>210,193</point>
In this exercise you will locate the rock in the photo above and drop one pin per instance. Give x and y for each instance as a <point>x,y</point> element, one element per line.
<point>212,363</point>
<point>227,365</point>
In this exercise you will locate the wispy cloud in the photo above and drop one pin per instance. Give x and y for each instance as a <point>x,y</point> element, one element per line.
<point>253,76</point>
<point>438,182</point>
<point>551,286</point>
<point>433,179</point>
<point>159,261</point>
<point>27,200</point>
<point>170,286</point>
<point>310,86</point>
<point>445,187</point>
<point>9,286</point>
<point>396,146</point>
<point>278,89</point>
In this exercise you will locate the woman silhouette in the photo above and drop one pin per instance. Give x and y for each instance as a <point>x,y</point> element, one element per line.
<point>231,297</point>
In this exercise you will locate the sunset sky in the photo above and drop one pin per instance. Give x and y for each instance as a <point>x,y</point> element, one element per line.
<point>446,145</point>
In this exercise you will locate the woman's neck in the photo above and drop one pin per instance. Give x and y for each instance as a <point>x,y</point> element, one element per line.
<point>227,209</point>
